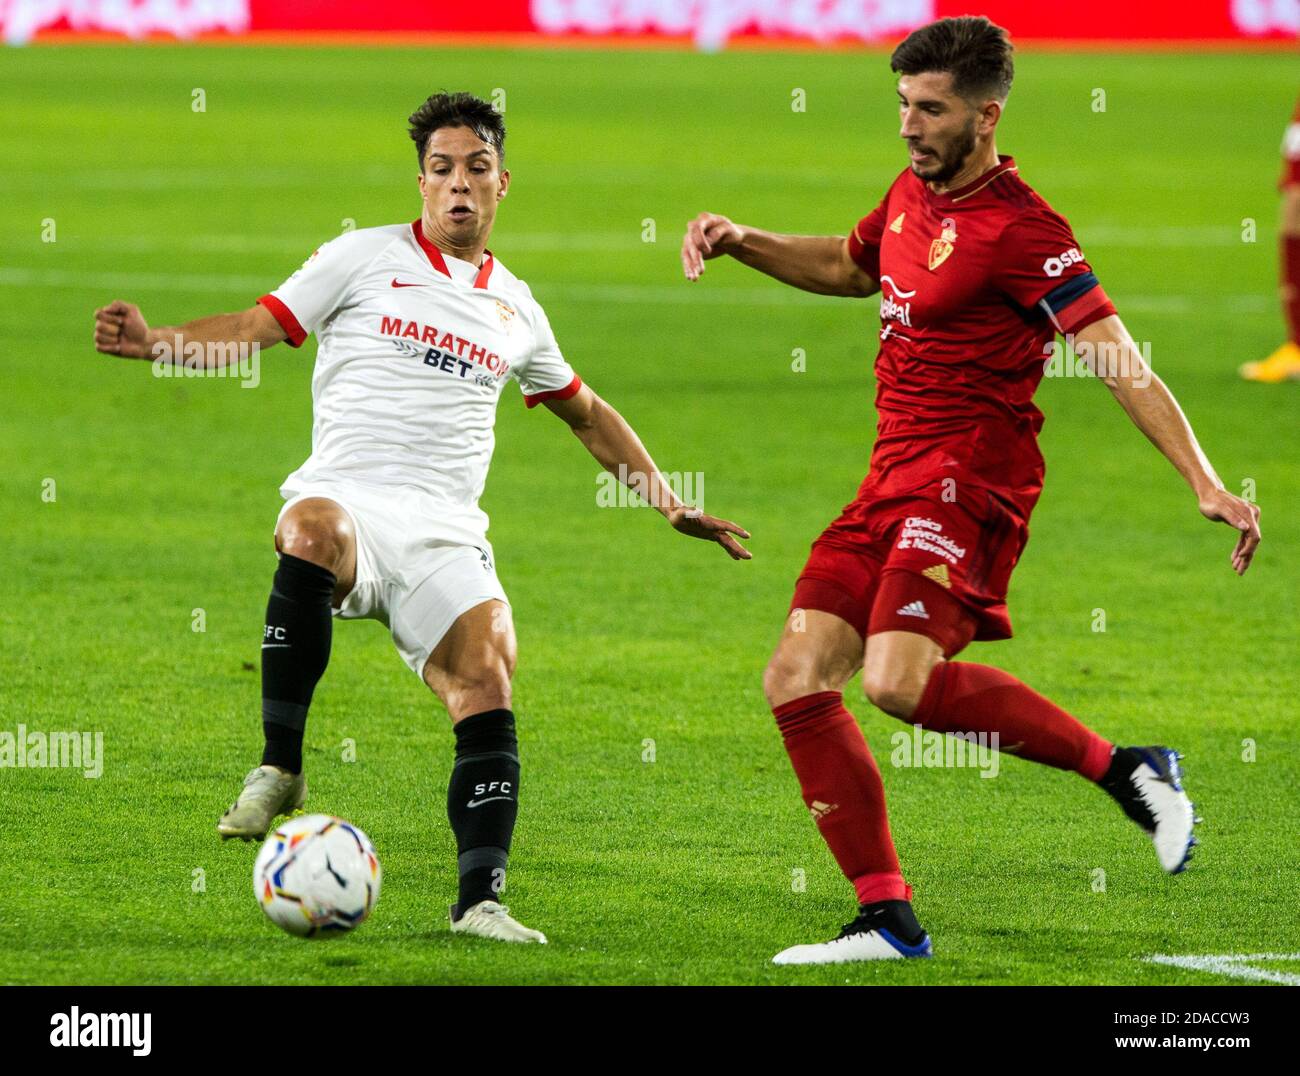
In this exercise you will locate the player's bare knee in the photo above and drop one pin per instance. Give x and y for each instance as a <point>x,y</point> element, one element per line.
<point>480,682</point>
<point>793,673</point>
<point>310,545</point>
<point>896,692</point>
<point>784,678</point>
<point>496,671</point>
<point>897,669</point>
<point>319,539</point>
<point>489,690</point>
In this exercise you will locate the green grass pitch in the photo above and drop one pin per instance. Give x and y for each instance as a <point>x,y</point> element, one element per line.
<point>686,868</point>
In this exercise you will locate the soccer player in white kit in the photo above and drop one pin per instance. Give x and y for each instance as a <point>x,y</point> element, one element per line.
<point>419,328</point>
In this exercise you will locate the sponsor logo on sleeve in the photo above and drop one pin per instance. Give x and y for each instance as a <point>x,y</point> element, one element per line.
<point>1056,266</point>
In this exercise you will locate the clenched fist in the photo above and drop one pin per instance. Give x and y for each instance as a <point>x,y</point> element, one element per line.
<point>120,329</point>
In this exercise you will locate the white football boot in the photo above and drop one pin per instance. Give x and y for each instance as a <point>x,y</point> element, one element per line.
<point>1153,797</point>
<point>488,919</point>
<point>868,937</point>
<point>268,792</point>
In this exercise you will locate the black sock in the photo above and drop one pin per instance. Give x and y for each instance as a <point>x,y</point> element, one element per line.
<point>1117,781</point>
<point>895,916</point>
<point>295,651</point>
<point>1123,761</point>
<point>482,803</point>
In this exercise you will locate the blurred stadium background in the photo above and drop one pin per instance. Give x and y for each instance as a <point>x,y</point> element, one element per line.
<point>708,24</point>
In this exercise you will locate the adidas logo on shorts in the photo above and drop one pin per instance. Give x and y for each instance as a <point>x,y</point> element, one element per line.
<point>916,608</point>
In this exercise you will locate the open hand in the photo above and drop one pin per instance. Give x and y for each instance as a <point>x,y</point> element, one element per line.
<point>708,236</point>
<point>1222,507</point>
<point>694,522</point>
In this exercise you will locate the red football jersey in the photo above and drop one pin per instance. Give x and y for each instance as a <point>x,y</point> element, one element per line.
<point>974,283</point>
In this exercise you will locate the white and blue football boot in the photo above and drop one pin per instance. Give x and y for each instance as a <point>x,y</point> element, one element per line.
<point>877,933</point>
<point>1147,783</point>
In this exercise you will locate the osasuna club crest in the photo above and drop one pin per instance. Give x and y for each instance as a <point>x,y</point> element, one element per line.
<point>941,249</point>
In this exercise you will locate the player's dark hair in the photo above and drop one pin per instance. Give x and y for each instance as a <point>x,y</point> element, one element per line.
<point>457,110</point>
<point>970,48</point>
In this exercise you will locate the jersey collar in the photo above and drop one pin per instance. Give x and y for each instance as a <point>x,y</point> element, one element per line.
<point>439,263</point>
<point>1005,164</point>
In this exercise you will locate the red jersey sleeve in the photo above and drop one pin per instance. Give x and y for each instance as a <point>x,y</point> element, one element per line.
<point>1040,265</point>
<point>864,241</point>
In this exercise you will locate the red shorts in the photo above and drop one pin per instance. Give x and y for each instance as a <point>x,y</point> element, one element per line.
<point>937,568</point>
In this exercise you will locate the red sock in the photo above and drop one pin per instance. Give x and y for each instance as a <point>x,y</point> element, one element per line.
<point>1291,284</point>
<point>963,697</point>
<point>841,787</point>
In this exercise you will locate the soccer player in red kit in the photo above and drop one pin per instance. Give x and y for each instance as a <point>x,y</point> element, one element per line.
<point>1284,363</point>
<point>977,274</point>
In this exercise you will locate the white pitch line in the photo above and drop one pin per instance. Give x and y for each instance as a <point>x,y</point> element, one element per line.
<point>1234,965</point>
<point>677,294</point>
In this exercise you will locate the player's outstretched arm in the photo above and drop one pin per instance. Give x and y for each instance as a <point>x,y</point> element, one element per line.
<point>120,329</point>
<point>1110,353</point>
<point>617,448</point>
<point>816,263</point>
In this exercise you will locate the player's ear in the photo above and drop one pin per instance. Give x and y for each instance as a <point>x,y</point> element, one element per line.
<point>505,182</point>
<point>989,116</point>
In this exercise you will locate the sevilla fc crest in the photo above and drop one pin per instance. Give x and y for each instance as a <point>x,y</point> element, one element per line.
<point>941,249</point>
<point>505,313</point>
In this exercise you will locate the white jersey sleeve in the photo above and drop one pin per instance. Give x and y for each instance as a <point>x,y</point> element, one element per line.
<point>307,299</point>
<point>544,375</point>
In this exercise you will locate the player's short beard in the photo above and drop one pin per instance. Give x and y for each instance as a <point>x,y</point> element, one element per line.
<point>954,159</point>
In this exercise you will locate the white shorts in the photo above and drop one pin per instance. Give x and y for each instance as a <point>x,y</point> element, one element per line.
<point>407,578</point>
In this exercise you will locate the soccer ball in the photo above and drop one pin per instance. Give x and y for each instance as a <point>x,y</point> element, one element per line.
<point>317,876</point>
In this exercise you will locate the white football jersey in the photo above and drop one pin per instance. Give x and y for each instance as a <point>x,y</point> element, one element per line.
<point>414,347</point>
